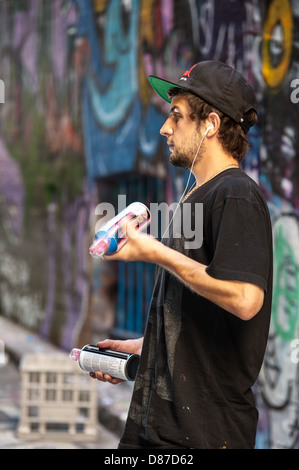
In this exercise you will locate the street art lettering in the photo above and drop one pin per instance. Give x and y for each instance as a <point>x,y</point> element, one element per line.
<point>286,283</point>
<point>279,376</point>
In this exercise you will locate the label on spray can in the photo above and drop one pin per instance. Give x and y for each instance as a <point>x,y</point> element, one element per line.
<point>118,364</point>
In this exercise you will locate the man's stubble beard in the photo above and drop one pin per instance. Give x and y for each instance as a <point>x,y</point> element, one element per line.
<point>179,160</point>
<point>185,160</point>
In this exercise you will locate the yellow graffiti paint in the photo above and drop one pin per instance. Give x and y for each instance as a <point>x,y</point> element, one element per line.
<point>146,36</point>
<point>279,21</point>
<point>100,6</point>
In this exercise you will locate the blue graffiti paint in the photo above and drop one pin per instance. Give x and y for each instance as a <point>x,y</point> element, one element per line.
<point>112,103</point>
<point>116,127</point>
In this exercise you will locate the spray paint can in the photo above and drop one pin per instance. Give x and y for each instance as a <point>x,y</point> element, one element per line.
<point>118,364</point>
<point>112,235</point>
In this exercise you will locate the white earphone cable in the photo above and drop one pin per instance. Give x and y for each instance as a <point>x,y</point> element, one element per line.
<point>188,180</point>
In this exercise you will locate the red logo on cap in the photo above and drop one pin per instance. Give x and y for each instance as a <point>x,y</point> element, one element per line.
<point>187,73</point>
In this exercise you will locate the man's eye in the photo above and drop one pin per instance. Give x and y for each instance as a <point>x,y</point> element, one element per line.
<point>176,116</point>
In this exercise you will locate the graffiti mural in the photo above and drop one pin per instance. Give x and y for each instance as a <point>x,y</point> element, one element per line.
<point>80,125</point>
<point>44,197</point>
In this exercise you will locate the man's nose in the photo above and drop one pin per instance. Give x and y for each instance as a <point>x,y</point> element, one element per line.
<point>166,129</point>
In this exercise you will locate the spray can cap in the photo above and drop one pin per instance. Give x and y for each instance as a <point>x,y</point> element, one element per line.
<point>74,354</point>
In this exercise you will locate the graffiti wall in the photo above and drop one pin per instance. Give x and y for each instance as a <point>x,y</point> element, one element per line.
<point>79,123</point>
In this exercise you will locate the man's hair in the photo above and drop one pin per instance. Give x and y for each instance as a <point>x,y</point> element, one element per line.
<point>231,136</point>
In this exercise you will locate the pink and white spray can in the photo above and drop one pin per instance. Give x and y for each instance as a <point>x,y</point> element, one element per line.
<point>112,235</point>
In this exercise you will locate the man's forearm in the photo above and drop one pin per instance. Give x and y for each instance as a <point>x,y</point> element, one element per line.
<point>239,298</point>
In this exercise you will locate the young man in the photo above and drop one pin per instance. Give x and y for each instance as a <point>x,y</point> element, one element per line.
<point>209,316</point>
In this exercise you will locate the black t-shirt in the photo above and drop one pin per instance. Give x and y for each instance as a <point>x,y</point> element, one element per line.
<point>199,362</point>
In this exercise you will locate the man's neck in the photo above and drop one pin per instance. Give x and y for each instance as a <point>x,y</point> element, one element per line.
<point>211,165</point>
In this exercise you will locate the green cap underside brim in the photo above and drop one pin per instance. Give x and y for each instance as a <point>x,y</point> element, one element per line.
<point>162,87</point>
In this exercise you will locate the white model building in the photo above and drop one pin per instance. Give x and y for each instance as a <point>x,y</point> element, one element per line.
<point>58,399</point>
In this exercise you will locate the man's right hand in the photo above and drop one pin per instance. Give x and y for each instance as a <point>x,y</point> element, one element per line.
<point>133,346</point>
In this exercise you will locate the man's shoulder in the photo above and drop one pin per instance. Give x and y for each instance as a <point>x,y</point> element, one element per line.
<point>235,184</point>
<point>238,184</point>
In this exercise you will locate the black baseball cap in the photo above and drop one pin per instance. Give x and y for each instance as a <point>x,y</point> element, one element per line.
<point>219,85</point>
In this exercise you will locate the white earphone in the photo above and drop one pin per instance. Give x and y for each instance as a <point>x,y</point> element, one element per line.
<point>209,128</point>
